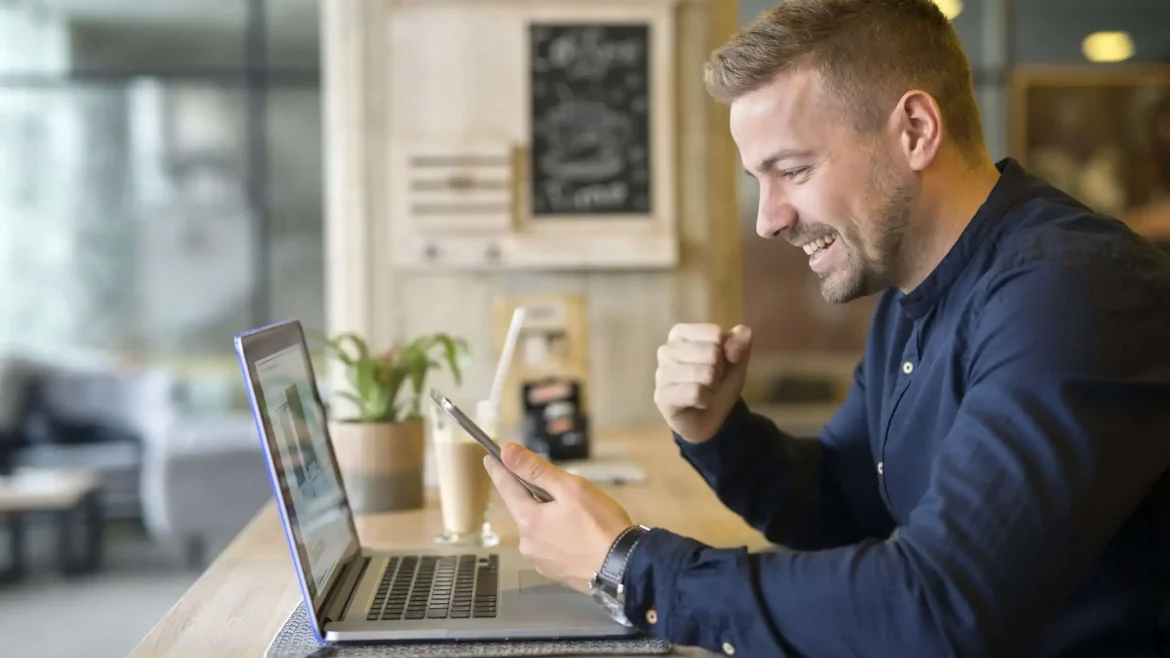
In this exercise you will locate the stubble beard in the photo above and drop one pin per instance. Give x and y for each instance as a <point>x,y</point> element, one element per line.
<point>873,261</point>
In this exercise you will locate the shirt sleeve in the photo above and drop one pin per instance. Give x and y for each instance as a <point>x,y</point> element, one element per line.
<point>801,493</point>
<point>1060,436</point>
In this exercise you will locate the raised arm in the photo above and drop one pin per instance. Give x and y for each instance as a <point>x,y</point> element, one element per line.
<point>801,493</point>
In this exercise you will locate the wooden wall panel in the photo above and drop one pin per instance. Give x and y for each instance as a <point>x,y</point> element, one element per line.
<point>629,312</point>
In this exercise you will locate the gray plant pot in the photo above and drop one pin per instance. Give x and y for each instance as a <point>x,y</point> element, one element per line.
<point>381,464</point>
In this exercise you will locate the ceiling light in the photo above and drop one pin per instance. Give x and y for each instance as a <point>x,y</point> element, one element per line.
<point>950,8</point>
<point>1108,47</point>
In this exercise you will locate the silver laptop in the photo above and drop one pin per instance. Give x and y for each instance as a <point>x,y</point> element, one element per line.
<point>356,593</point>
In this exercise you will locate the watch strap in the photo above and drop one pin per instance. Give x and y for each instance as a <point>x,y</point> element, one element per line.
<point>614,566</point>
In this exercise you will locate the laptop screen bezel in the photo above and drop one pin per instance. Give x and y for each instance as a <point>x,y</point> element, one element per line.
<point>254,346</point>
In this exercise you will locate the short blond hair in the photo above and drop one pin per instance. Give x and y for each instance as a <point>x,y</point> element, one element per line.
<point>867,53</point>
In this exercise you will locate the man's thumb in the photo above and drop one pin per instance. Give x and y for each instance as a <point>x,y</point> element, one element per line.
<point>738,346</point>
<point>528,465</point>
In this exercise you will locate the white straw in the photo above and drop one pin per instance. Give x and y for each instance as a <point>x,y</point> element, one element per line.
<point>506,357</point>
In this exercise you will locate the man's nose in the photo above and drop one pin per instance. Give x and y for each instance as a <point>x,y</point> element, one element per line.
<point>773,219</point>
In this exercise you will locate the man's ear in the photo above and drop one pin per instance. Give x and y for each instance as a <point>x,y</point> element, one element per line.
<point>918,122</point>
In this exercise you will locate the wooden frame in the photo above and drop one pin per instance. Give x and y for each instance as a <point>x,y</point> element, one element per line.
<point>1100,142</point>
<point>490,72</point>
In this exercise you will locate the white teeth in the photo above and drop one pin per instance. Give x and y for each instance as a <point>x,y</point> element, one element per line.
<point>818,244</point>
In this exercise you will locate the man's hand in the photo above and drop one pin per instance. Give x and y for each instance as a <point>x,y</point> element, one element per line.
<point>701,371</point>
<point>567,539</point>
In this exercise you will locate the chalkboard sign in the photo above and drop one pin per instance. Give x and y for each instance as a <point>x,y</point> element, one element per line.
<point>590,86</point>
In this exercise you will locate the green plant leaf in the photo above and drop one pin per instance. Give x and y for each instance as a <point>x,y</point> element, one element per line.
<point>318,335</point>
<point>381,409</point>
<point>365,379</point>
<point>452,347</point>
<point>377,382</point>
<point>354,399</point>
<point>418,377</point>
<point>338,346</point>
<point>359,345</point>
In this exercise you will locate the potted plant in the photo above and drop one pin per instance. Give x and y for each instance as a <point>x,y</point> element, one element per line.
<point>380,449</point>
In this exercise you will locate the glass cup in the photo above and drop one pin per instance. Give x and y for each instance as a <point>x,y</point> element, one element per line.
<point>464,485</point>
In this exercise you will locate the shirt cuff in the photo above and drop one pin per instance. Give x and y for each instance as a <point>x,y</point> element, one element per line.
<point>691,594</point>
<point>725,449</point>
<point>650,577</point>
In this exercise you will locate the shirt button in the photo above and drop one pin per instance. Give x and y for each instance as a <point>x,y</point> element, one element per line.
<point>907,367</point>
<point>728,649</point>
<point>652,616</point>
<point>881,467</point>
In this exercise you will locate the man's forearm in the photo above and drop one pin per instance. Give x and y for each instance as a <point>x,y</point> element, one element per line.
<point>777,483</point>
<point>834,603</point>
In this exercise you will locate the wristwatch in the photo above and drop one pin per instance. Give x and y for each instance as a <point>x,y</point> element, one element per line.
<point>606,586</point>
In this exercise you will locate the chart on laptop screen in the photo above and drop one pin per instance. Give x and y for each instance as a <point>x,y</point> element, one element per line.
<point>319,524</point>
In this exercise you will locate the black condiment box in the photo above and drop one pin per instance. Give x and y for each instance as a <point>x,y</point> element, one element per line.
<point>555,423</point>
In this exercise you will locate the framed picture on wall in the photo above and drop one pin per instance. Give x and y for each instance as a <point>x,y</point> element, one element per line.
<point>545,141</point>
<point>1100,134</point>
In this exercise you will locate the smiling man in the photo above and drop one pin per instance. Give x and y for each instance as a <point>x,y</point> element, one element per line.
<point>994,484</point>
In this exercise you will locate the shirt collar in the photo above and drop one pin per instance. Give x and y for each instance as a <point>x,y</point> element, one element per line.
<point>982,230</point>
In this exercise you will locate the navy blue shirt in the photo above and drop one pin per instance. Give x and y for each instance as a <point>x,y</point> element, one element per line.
<point>991,486</point>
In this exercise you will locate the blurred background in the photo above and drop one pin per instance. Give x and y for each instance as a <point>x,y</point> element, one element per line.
<point>163,186</point>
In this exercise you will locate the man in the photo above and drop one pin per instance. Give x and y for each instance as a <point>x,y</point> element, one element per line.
<point>993,485</point>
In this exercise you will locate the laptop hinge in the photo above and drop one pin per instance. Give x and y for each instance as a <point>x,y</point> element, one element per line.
<point>340,596</point>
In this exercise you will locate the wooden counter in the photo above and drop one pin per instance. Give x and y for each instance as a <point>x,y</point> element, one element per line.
<point>241,601</point>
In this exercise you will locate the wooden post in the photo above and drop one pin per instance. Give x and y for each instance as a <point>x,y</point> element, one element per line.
<point>347,220</point>
<point>724,260</point>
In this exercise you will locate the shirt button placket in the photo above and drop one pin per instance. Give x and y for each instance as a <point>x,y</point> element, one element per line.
<point>907,367</point>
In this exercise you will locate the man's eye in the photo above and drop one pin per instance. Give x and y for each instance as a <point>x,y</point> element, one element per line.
<point>793,173</point>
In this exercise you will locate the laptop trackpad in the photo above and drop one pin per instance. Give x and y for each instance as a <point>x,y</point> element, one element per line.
<point>531,582</point>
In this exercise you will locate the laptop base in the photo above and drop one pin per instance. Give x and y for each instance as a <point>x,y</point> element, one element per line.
<point>475,594</point>
<point>296,638</point>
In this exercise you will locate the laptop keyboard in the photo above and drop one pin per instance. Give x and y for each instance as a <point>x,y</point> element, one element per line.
<point>437,587</point>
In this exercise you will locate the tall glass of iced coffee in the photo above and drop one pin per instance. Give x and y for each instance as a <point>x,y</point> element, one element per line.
<point>464,485</point>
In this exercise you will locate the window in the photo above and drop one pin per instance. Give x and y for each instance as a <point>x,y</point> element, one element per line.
<point>160,175</point>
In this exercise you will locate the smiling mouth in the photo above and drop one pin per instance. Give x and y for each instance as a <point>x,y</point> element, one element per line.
<point>818,245</point>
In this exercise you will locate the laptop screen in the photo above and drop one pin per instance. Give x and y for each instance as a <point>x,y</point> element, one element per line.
<point>319,521</point>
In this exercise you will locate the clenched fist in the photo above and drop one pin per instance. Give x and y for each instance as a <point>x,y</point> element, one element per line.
<point>701,371</point>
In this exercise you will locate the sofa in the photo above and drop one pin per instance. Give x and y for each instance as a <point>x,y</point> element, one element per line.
<point>204,482</point>
<point>67,417</point>
<point>180,473</point>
